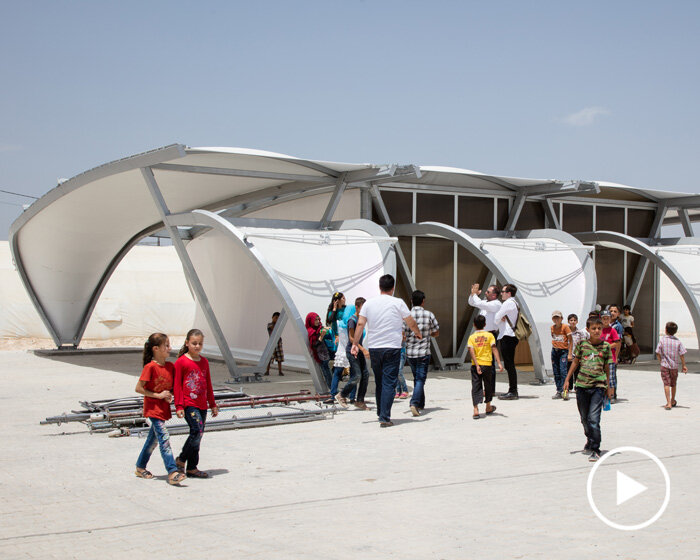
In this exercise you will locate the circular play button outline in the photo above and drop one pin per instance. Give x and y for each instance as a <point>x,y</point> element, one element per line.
<point>589,488</point>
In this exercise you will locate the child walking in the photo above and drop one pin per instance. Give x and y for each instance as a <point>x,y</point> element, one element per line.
<point>577,335</point>
<point>670,351</point>
<point>278,353</point>
<point>156,385</point>
<point>193,391</point>
<point>594,356</point>
<point>561,350</point>
<point>482,350</point>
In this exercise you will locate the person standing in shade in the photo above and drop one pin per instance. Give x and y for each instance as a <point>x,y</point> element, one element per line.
<point>418,349</point>
<point>506,318</point>
<point>384,317</point>
<point>489,307</point>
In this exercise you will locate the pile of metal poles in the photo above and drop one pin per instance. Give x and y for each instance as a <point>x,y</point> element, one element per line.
<point>124,416</point>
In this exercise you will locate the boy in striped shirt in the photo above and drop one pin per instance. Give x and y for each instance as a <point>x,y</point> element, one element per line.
<point>594,356</point>
<point>670,351</point>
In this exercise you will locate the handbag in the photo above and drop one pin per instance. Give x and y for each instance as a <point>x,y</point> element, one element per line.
<point>522,329</point>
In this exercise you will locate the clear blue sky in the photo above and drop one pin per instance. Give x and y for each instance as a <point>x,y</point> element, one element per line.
<point>594,90</point>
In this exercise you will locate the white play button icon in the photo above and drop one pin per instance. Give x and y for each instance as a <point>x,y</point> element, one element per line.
<point>613,488</point>
<point>627,488</point>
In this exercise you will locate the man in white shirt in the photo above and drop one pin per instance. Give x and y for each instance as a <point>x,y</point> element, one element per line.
<point>506,319</point>
<point>489,307</point>
<point>384,317</point>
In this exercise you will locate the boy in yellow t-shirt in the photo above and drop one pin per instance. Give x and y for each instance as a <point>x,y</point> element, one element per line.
<point>482,350</point>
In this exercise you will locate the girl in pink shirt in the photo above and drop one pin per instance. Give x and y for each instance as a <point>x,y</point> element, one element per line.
<point>193,392</point>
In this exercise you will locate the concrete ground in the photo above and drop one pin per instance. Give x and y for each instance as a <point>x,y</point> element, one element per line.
<point>442,486</point>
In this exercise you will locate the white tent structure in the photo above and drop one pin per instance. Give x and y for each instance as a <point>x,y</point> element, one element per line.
<point>258,232</point>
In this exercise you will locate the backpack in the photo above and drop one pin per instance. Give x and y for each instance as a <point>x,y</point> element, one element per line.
<point>522,328</point>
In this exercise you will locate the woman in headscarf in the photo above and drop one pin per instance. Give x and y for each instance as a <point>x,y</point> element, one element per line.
<point>319,350</point>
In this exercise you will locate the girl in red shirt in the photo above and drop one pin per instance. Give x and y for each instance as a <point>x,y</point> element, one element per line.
<point>156,385</point>
<point>193,391</point>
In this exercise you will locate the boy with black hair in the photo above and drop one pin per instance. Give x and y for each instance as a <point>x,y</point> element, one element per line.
<point>594,357</point>
<point>669,352</point>
<point>482,350</point>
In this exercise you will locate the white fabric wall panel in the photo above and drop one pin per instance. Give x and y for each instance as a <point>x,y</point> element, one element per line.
<point>686,260</point>
<point>308,265</point>
<point>549,276</point>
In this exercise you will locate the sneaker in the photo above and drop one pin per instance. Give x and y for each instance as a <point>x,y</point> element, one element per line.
<point>557,395</point>
<point>415,411</point>
<point>509,396</point>
<point>586,449</point>
<point>329,401</point>
<point>361,405</point>
<point>341,400</point>
<point>388,424</point>
<point>594,456</point>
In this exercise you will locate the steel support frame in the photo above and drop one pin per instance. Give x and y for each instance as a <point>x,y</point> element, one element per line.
<point>190,272</point>
<point>647,253</point>
<point>453,234</point>
<point>403,268</point>
<point>206,219</point>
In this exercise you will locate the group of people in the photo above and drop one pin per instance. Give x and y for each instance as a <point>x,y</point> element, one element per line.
<point>383,332</point>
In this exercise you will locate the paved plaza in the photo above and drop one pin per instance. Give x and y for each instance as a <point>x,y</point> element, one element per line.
<point>442,486</point>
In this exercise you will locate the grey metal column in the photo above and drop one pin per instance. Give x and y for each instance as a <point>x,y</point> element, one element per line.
<point>334,201</point>
<point>275,335</point>
<point>548,207</point>
<point>685,222</point>
<point>190,272</point>
<point>515,212</point>
<point>402,266</point>
<point>643,263</point>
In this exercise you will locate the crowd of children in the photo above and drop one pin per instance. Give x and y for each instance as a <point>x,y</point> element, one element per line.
<point>583,360</point>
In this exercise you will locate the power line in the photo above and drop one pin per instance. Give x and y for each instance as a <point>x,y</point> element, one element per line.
<point>20,194</point>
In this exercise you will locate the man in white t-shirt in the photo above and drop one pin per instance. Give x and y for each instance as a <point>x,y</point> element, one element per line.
<point>384,317</point>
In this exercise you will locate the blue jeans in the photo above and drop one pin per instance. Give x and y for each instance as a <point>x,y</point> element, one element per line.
<point>196,419</point>
<point>385,365</point>
<point>157,434</point>
<point>419,367</point>
<point>337,375</point>
<point>590,404</point>
<point>358,373</point>
<point>613,376</point>
<point>559,364</point>
<point>401,386</point>
<point>326,371</point>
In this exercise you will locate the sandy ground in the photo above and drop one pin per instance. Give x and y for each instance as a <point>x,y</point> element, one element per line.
<point>31,343</point>
<point>442,486</point>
